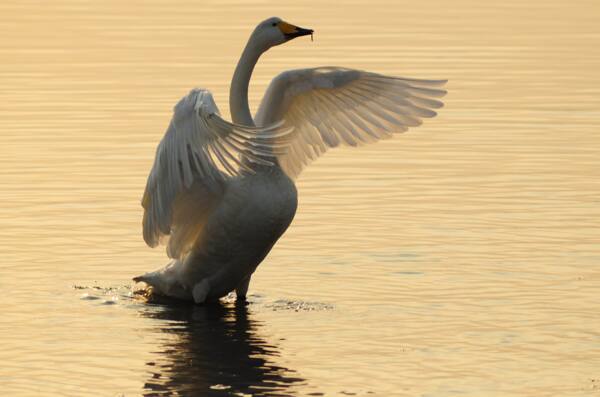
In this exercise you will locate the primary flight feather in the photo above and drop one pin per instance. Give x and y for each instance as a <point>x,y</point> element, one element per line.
<point>221,194</point>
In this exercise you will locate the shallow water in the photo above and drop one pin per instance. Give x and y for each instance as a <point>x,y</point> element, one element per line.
<point>461,258</point>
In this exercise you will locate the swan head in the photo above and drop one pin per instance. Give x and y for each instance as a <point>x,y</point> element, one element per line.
<point>274,31</point>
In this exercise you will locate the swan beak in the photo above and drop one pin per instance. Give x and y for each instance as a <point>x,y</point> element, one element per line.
<point>291,32</point>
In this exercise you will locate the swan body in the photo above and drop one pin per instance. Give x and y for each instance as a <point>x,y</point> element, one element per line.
<point>221,194</point>
<point>254,212</point>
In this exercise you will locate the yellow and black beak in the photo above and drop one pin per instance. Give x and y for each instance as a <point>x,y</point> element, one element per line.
<point>291,32</point>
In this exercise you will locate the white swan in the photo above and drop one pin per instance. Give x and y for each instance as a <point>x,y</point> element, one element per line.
<point>222,193</point>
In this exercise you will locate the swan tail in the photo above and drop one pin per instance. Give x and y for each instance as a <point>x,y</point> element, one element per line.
<point>165,281</point>
<point>150,278</point>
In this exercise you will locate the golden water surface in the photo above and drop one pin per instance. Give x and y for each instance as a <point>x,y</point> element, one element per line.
<point>459,259</point>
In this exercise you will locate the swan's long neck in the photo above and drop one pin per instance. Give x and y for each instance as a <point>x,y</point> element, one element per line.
<point>238,93</point>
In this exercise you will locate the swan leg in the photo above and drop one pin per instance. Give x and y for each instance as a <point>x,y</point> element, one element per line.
<point>242,289</point>
<point>200,291</point>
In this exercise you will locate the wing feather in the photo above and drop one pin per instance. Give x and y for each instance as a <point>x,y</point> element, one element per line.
<point>329,106</point>
<point>198,155</point>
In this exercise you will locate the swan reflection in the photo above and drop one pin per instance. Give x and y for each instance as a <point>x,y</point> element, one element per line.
<point>214,350</point>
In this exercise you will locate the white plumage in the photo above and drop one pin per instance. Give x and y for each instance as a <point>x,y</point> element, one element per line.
<point>329,106</point>
<point>199,150</point>
<point>222,193</point>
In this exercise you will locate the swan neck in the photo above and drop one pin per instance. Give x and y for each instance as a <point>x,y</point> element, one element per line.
<point>238,93</point>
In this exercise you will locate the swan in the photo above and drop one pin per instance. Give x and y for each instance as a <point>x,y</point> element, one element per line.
<point>220,194</point>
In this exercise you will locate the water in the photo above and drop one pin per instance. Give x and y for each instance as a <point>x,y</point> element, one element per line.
<point>462,258</point>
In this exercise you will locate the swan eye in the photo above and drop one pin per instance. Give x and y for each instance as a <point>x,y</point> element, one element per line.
<point>274,24</point>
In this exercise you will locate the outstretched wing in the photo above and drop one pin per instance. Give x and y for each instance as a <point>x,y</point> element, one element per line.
<point>198,154</point>
<point>329,106</point>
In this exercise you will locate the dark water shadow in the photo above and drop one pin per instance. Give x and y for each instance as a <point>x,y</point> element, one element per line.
<point>214,350</point>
